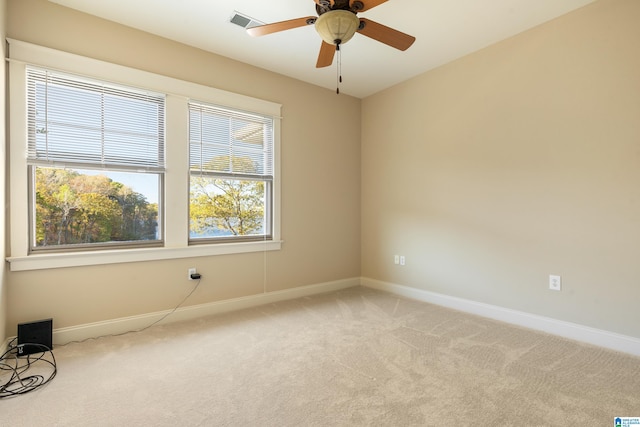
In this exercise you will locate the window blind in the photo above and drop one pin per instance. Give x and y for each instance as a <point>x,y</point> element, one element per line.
<point>230,143</point>
<point>80,122</point>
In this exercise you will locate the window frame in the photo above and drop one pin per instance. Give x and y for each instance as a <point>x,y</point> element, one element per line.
<point>41,83</point>
<point>266,175</point>
<point>176,185</point>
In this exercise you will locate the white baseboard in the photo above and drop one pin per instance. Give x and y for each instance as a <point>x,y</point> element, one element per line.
<point>134,323</point>
<point>574,331</point>
<point>598,337</point>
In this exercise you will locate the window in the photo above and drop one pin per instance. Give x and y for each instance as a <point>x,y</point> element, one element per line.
<point>96,162</point>
<point>231,174</point>
<point>125,170</point>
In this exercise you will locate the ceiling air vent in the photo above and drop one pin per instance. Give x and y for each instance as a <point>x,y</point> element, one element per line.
<point>243,20</point>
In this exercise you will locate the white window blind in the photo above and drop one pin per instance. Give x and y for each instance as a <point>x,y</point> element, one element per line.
<point>80,122</point>
<point>230,143</point>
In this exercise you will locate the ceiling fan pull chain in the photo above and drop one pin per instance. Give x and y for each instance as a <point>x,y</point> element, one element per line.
<point>339,68</point>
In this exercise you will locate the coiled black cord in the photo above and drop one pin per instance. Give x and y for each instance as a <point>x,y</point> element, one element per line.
<point>25,373</point>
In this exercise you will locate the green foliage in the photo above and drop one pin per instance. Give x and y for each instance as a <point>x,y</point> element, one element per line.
<point>72,208</point>
<point>233,206</point>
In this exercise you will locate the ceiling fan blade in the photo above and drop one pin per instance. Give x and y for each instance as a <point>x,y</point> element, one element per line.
<point>386,35</point>
<point>327,52</point>
<point>366,4</point>
<point>263,30</point>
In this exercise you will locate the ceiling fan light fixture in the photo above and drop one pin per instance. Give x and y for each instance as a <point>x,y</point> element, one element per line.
<point>337,26</point>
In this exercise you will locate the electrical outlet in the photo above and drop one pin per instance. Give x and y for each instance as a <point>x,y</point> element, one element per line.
<point>396,259</point>
<point>402,260</point>
<point>555,282</point>
<point>191,271</point>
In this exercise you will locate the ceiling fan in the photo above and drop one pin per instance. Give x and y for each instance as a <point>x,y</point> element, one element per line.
<point>337,22</point>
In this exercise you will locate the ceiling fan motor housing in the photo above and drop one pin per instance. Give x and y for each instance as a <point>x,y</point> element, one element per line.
<point>354,6</point>
<point>337,26</point>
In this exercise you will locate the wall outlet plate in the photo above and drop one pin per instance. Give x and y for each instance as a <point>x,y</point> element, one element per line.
<point>555,282</point>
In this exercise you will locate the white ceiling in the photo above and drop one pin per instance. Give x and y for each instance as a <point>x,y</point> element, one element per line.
<point>444,29</point>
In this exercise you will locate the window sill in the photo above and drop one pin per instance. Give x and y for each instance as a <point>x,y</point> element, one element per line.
<point>77,259</point>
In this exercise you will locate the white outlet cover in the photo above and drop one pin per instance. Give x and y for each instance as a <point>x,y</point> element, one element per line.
<point>555,282</point>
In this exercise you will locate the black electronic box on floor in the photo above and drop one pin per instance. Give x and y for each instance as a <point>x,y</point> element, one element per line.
<point>39,333</point>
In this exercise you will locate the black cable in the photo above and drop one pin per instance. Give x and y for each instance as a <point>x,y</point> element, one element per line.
<point>141,329</point>
<point>172,311</point>
<point>17,368</point>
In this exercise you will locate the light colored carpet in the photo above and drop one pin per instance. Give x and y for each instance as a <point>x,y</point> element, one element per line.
<point>349,358</point>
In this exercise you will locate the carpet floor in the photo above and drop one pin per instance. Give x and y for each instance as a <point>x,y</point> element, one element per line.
<point>356,357</point>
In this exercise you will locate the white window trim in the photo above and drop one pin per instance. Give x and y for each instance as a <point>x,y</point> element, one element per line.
<point>176,217</point>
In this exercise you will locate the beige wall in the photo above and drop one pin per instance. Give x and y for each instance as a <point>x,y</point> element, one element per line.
<point>488,174</point>
<point>3,270</point>
<point>320,190</point>
<point>513,163</point>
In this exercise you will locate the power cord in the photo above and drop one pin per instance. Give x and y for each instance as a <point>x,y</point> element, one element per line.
<point>16,368</point>
<point>141,329</point>
<point>195,275</point>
